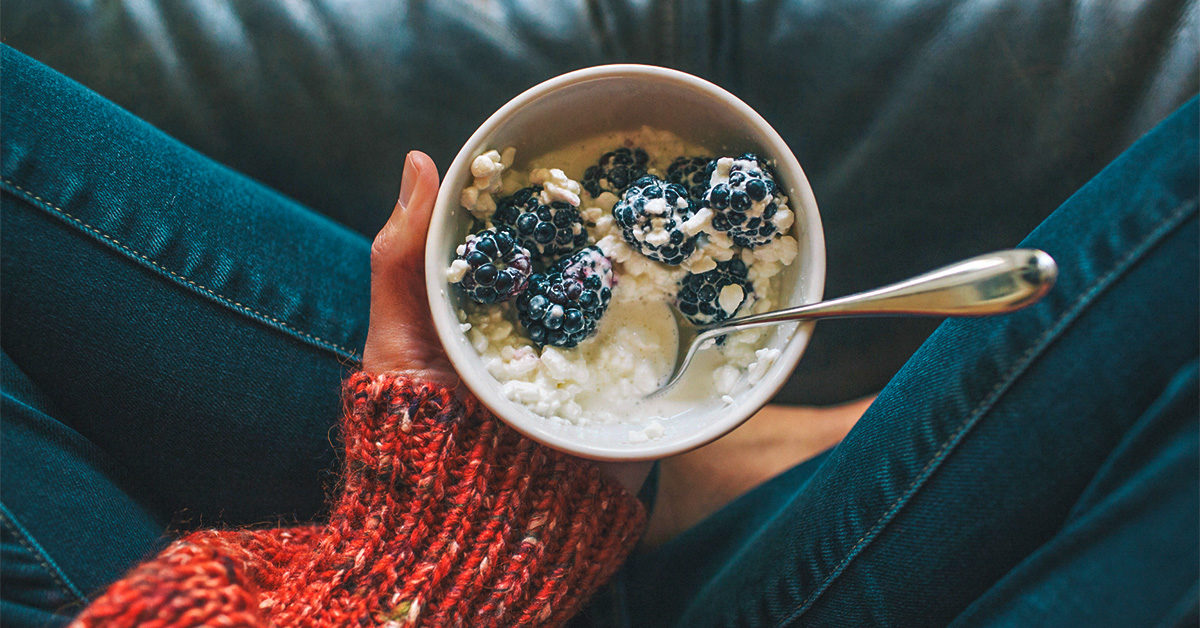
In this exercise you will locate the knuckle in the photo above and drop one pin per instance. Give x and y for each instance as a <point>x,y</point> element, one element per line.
<point>383,250</point>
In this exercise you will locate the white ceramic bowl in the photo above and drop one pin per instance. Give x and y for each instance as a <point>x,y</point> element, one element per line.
<point>582,104</point>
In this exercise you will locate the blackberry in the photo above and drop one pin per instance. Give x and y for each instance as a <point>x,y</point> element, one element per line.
<point>693,174</point>
<point>699,296</point>
<point>497,268</point>
<point>615,171</point>
<point>651,216</point>
<point>745,200</point>
<point>562,306</point>
<point>547,231</point>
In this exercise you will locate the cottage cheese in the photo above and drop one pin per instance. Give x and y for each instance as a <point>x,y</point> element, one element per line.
<point>605,377</point>
<point>487,169</point>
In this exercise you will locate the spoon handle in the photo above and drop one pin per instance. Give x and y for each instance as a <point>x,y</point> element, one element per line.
<point>992,283</point>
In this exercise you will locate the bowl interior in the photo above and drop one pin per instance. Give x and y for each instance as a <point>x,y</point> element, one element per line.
<point>583,104</point>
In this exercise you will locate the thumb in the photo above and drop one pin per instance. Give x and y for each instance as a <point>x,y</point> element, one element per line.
<point>399,248</point>
<point>400,326</point>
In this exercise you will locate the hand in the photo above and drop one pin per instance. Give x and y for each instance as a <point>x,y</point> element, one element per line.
<point>401,337</point>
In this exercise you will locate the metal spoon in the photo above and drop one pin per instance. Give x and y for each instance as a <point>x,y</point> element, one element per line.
<point>993,283</point>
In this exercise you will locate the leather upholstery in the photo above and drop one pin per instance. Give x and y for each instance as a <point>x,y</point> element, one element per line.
<point>930,129</point>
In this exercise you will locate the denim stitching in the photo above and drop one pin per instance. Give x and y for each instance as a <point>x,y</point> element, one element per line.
<point>325,344</point>
<point>27,541</point>
<point>1172,221</point>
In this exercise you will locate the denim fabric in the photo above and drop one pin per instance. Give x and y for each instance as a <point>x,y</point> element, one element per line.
<point>1037,468</point>
<point>930,129</point>
<point>68,516</point>
<point>174,334</point>
<point>181,330</point>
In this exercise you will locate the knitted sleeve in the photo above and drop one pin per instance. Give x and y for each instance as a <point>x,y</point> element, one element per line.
<point>445,516</point>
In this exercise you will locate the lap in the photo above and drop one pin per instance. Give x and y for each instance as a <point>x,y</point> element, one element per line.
<point>249,309</point>
<point>977,454</point>
<point>184,328</point>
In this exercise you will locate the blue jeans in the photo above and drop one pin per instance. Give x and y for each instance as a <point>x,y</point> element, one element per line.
<point>1037,468</point>
<point>174,339</point>
<point>174,334</point>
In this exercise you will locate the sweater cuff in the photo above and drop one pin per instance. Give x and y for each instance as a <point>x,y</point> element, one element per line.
<point>445,516</point>
<point>487,524</point>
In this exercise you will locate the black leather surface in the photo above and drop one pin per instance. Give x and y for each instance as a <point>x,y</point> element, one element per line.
<point>930,130</point>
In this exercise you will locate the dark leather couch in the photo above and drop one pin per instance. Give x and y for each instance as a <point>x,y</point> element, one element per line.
<point>930,129</point>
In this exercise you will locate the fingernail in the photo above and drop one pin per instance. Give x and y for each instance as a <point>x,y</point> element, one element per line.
<point>408,180</point>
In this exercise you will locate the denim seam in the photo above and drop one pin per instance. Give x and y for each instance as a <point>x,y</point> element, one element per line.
<point>28,542</point>
<point>201,288</point>
<point>1169,223</point>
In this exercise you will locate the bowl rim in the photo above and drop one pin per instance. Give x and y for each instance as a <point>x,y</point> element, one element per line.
<point>446,320</point>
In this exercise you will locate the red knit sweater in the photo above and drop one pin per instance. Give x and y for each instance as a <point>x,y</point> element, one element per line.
<point>445,516</point>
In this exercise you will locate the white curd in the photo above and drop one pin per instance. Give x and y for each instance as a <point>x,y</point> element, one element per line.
<point>605,377</point>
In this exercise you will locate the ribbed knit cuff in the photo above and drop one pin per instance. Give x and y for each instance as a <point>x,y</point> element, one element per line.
<point>488,526</point>
<point>445,517</point>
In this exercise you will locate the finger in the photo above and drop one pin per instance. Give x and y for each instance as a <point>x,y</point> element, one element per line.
<point>399,326</point>
<point>398,254</point>
<point>400,244</point>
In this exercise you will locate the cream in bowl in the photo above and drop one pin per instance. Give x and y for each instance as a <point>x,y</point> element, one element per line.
<point>566,256</point>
